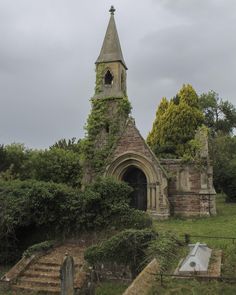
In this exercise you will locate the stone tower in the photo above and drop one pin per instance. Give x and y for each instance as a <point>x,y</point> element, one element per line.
<point>110,65</point>
<point>110,105</point>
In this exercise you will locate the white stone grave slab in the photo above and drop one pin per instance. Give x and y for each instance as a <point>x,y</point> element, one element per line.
<point>197,259</point>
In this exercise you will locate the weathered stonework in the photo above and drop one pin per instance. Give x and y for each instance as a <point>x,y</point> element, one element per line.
<point>132,151</point>
<point>161,187</point>
<point>191,191</point>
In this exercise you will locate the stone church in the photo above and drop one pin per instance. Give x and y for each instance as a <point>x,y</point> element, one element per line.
<point>162,187</point>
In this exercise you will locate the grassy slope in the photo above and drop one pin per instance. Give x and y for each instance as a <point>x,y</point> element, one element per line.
<point>223,224</point>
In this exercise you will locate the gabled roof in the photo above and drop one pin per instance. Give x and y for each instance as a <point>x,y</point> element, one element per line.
<point>111,49</point>
<point>131,140</point>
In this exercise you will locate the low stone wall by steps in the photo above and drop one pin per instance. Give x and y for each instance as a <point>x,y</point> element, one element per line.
<point>144,280</point>
<point>18,268</point>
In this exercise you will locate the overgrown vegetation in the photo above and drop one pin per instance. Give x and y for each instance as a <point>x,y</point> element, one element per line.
<point>61,211</point>
<point>135,248</point>
<point>127,247</point>
<point>104,125</point>
<point>165,249</point>
<point>60,163</point>
<point>175,124</point>
<point>40,247</point>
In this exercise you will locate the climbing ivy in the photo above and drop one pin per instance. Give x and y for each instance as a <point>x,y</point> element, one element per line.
<point>99,77</point>
<point>104,125</point>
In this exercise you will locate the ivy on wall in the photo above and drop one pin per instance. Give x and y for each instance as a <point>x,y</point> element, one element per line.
<point>104,125</point>
<point>99,78</point>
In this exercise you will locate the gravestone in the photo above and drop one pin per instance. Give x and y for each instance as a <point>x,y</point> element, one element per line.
<point>67,275</point>
<point>197,260</point>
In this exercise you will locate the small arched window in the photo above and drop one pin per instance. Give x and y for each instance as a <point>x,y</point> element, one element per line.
<point>108,78</point>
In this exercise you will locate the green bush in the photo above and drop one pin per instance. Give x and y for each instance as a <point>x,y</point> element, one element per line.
<point>40,247</point>
<point>164,249</point>
<point>223,152</point>
<point>127,247</point>
<point>26,204</point>
<point>60,164</point>
<point>62,211</point>
<point>126,217</point>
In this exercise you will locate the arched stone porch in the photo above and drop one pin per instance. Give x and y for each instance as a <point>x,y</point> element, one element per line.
<point>157,201</point>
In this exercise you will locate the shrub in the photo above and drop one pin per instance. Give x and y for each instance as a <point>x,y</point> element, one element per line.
<point>31,203</point>
<point>40,247</point>
<point>127,247</point>
<point>127,217</point>
<point>164,249</point>
<point>102,199</point>
<point>62,211</point>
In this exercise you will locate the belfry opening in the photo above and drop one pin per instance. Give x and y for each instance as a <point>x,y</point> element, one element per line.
<point>138,181</point>
<point>108,78</point>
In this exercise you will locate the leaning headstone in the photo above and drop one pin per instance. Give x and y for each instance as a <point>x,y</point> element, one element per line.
<point>67,275</point>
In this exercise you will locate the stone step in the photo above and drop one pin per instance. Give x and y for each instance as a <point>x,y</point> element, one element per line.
<point>55,262</point>
<point>40,281</point>
<point>44,268</point>
<point>41,267</point>
<point>44,289</point>
<point>43,275</point>
<point>48,262</point>
<point>39,273</point>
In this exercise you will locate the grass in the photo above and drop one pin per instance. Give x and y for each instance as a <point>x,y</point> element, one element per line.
<point>108,288</point>
<point>223,224</point>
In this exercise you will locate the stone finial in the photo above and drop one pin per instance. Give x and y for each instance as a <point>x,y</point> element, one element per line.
<point>112,10</point>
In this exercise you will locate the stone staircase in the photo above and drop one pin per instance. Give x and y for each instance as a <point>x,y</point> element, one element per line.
<point>43,275</point>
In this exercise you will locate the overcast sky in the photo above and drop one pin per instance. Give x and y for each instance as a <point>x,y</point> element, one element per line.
<point>48,49</point>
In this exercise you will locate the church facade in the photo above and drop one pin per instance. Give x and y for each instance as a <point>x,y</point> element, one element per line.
<point>162,187</point>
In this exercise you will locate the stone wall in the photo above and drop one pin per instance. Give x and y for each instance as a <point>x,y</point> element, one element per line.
<point>191,191</point>
<point>144,280</point>
<point>131,150</point>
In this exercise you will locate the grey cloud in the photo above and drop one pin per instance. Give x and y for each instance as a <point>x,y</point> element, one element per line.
<point>48,49</point>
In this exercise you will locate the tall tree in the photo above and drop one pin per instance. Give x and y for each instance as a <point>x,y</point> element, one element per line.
<point>223,154</point>
<point>220,116</point>
<point>175,124</point>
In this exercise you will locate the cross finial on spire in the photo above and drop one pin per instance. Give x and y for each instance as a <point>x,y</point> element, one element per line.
<point>112,10</point>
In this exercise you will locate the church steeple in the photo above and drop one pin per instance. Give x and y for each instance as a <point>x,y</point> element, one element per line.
<point>111,49</point>
<point>110,65</point>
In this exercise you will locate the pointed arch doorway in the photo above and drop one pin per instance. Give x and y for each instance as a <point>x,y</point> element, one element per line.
<point>150,194</point>
<point>138,181</point>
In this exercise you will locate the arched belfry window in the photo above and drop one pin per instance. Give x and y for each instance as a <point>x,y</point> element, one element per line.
<point>108,78</point>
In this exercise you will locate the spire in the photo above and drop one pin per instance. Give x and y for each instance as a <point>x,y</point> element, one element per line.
<point>111,49</point>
